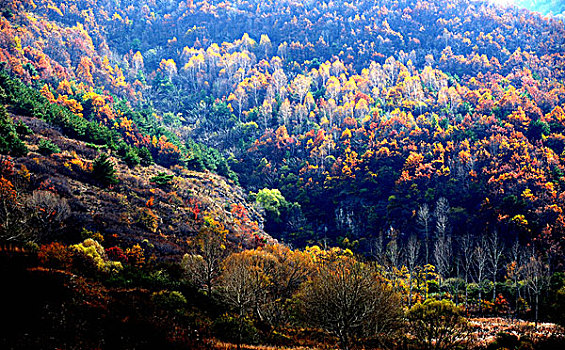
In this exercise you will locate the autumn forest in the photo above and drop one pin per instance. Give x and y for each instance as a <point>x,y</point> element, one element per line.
<point>385,174</point>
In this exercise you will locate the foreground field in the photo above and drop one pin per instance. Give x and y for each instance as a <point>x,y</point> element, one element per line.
<point>486,333</point>
<point>488,330</point>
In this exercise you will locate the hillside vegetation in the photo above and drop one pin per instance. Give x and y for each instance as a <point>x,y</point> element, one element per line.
<point>190,158</point>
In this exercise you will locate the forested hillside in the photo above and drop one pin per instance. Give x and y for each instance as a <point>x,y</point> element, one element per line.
<point>424,140</point>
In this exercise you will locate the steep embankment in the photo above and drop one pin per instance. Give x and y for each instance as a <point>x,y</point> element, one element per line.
<point>154,206</point>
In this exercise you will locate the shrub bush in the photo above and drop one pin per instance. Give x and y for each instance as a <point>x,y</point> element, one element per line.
<point>162,179</point>
<point>117,254</point>
<point>131,158</point>
<point>92,256</point>
<point>147,219</point>
<point>437,324</point>
<point>97,236</point>
<point>55,255</point>
<point>169,300</point>
<point>10,143</point>
<point>103,170</point>
<point>145,157</point>
<point>135,255</point>
<point>235,329</point>
<point>47,147</point>
<point>22,129</point>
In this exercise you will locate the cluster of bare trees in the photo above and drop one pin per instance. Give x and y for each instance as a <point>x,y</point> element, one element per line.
<point>329,290</point>
<point>36,218</point>
<point>349,299</point>
<point>466,265</point>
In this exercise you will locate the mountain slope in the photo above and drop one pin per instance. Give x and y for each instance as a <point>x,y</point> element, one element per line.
<point>125,204</point>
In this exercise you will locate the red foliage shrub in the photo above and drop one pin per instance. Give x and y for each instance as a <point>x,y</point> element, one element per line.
<point>6,166</point>
<point>117,254</point>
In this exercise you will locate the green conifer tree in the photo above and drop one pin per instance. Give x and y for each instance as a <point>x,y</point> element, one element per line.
<point>103,170</point>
